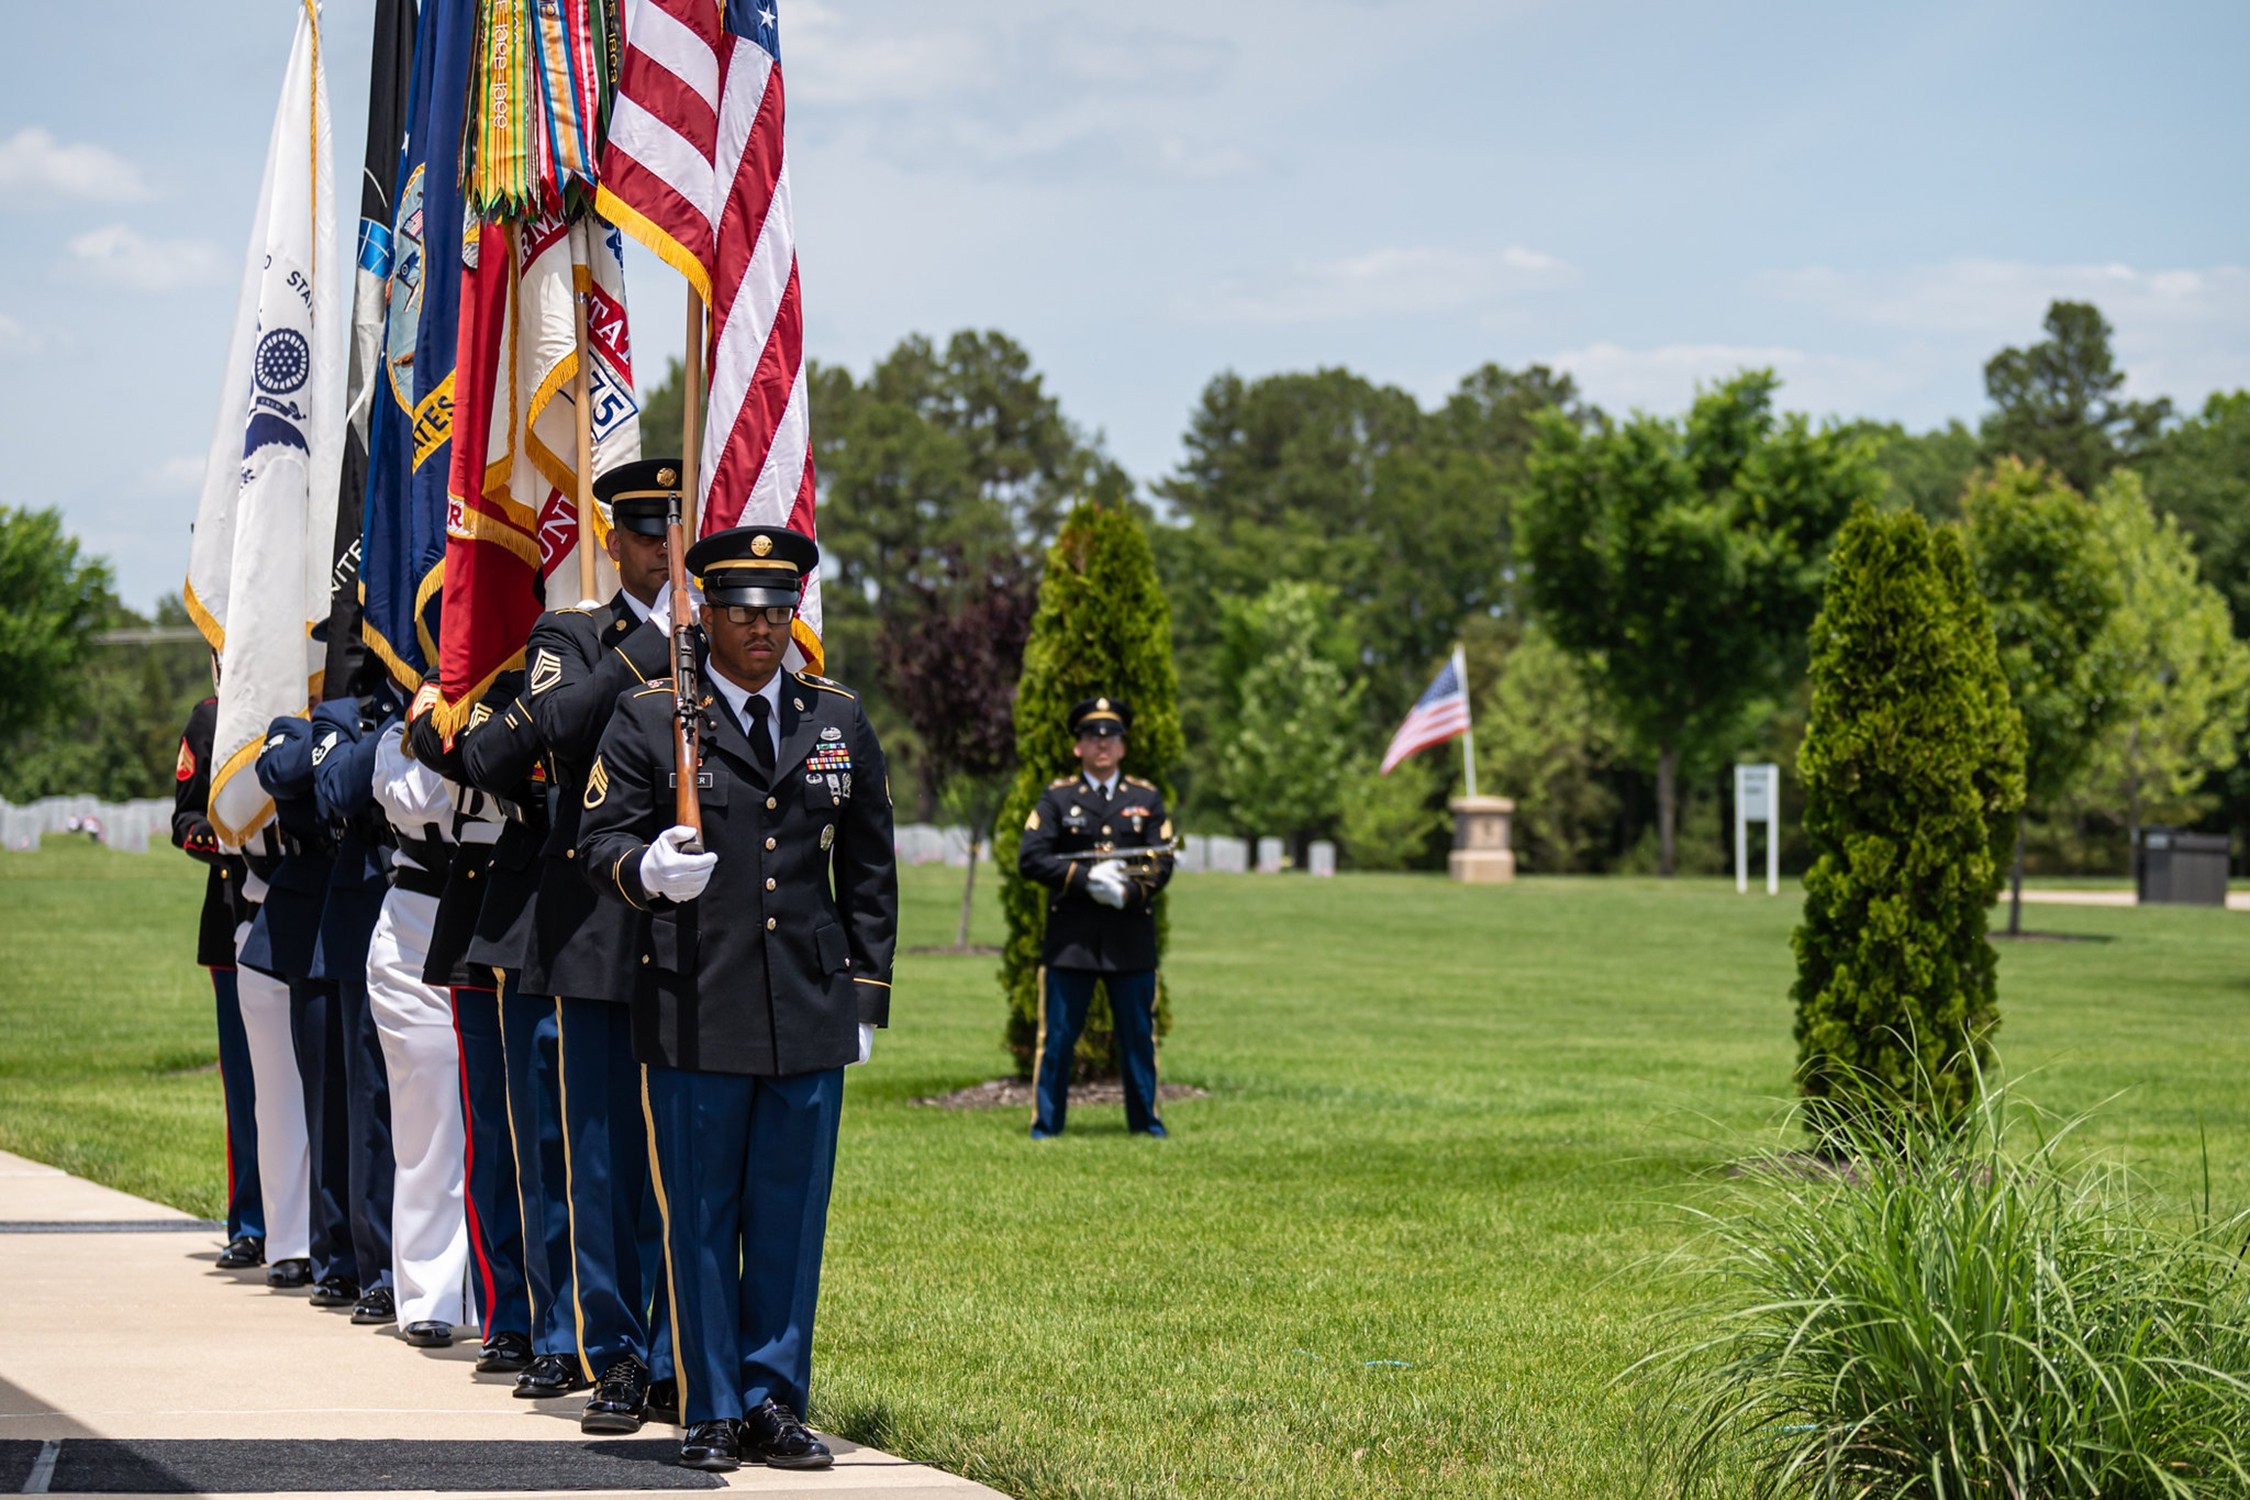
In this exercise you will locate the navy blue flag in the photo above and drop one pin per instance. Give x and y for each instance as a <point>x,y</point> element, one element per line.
<point>402,563</point>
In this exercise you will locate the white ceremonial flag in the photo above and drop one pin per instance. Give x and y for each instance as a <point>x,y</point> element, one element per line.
<point>258,566</point>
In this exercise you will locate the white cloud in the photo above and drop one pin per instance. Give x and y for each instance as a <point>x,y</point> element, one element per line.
<point>17,341</point>
<point>1393,283</point>
<point>120,257</point>
<point>1665,378</point>
<point>2180,332</point>
<point>181,475</point>
<point>34,163</point>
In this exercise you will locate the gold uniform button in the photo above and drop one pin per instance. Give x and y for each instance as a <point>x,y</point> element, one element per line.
<point>573,853</point>
<point>644,958</point>
<point>769,843</point>
<point>769,886</point>
<point>771,923</point>
<point>1105,828</point>
<point>771,803</point>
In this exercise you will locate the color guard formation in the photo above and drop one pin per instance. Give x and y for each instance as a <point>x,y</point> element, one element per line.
<point>509,1043</point>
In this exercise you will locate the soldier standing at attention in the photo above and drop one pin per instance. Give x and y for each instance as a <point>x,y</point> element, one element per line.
<point>767,970</point>
<point>1100,927</point>
<point>585,953</point>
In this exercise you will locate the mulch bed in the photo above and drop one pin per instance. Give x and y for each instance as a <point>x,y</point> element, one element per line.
<point>1015,1093</point>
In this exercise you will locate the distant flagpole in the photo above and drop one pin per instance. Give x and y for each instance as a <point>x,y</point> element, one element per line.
<point>1468,721</point>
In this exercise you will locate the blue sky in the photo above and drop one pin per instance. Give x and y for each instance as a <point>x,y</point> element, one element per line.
<point>1870,198</point>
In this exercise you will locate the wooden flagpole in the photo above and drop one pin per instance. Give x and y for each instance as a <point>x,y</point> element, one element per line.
<point>581,384</point>
<point>691,408</point>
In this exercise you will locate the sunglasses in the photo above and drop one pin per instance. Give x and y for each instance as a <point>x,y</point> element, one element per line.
<point>743,614</point>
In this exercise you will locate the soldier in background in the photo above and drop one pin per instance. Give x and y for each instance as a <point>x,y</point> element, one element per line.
<point>283,942</point>
<point>586,953</point>
<point>503,756</point>
<point>1101,928</point>
<point>493,838</point>
<point>344,744</point>
<point>223,908</point>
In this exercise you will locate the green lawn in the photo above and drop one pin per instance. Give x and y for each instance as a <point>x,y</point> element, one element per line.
<point>1404,1247</point>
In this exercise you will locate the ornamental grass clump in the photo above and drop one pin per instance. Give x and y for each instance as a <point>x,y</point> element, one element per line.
<point>1946,1318</point>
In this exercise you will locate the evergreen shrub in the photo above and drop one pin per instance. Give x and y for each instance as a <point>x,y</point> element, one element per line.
<point>1912,769</point>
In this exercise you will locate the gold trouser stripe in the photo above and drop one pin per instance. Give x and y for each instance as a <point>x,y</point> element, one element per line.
<point>664,1213</point>
<point>570,1194</point>
<point>515,1149</point>
<point>1039,1047</point>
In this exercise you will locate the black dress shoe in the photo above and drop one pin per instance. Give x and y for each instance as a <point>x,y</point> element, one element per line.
<point>289,1274</point>
<point>243,1252</point>
<point>620,1401</point>
<point>378,1306</point>
<point>429,1335</point>
<point>712,1447</point>
<point>774,1436</point>
<point>550,1375</point>
<point>504,1353</point>
<point>664,1401</point>
<point>335,1291</point>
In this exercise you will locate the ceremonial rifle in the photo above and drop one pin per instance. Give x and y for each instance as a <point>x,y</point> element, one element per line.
<point>1138,863</point>
<point>687,806</point>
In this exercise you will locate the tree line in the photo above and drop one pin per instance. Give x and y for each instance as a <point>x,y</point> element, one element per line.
<point>1633,593</point>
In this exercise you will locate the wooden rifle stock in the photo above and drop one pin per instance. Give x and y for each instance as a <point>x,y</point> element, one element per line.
<point>687,806</point>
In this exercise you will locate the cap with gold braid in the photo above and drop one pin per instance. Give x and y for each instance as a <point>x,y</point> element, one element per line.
<point>1097,718</point>
<point>754,565</point>
<point>640,493</point>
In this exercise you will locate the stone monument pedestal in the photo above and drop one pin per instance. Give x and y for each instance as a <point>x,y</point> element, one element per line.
<point>1481,855</point>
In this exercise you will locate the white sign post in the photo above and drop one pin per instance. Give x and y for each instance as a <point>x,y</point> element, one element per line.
<point>1757,799</point>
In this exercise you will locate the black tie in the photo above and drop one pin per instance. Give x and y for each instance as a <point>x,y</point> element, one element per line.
<point>761,739</point>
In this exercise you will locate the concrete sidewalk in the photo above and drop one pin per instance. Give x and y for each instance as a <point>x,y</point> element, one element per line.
<point>116,1325</point>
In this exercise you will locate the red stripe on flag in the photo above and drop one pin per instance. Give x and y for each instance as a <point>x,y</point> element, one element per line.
<point>762,407</point>
<point>742,220</point>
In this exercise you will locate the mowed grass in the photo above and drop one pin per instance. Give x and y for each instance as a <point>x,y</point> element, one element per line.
<point>1406,1246</point>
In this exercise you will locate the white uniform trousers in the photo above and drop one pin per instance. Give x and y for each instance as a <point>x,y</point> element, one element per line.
<point>284,1152</point>
<point>429,1214</point>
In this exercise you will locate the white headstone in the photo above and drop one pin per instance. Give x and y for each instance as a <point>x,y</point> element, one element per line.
<point>1229,856</point>
<point>1194,856</point>
<point>1320,859</point>
<point>1271,855</point>
<point>1757,799</point>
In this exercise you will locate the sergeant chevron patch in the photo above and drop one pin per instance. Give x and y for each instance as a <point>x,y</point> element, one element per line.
<point>546,671</point>
<point>597,784</point>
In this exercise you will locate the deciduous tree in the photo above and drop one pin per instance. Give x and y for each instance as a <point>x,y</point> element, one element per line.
<point>2051,584</point>
<point>1681,562</point>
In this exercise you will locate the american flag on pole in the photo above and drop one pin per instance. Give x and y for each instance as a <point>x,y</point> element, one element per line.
<point>695,168</point>
<point>1440,714</point>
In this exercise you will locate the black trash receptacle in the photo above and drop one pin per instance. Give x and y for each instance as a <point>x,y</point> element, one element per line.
<point>2182,869</point>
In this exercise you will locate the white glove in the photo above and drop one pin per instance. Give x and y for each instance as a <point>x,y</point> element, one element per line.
<point>866,1041</point>
<point>1106,883</point>
<point>669,871</point>
<point>660,613</point>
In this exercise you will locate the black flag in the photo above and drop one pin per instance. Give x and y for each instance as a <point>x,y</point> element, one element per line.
<point>387,103</point>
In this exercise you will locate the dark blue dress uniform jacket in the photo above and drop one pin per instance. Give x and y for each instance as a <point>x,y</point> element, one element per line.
<point>287,927</point>
<point>223,903</point>
<point>576,664</point>
<point>788,950</point>
<point>1072,817</point>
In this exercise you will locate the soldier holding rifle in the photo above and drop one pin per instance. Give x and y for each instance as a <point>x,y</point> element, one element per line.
<point>1101,844</point>
<point>771,932</point>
